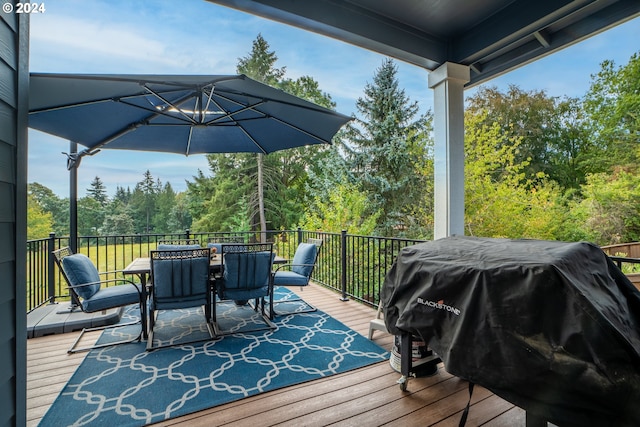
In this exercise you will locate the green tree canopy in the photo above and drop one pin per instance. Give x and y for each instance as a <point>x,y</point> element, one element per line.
<point>553,133</point>
<point>39,221</point>
<point>500,199</point>
<point>613,104</point>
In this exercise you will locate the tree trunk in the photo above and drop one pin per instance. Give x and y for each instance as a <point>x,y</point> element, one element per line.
<point>263,220</point>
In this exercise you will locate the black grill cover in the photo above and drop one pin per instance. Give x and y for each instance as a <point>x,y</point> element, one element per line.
<point>551,327</point>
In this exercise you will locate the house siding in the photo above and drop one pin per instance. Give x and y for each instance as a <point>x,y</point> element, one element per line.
<point>14,85</point>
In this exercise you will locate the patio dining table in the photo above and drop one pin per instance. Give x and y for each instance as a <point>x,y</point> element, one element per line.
<point>142,268</point>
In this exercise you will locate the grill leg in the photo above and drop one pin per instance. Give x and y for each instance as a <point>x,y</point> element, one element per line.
<point>405,360</point>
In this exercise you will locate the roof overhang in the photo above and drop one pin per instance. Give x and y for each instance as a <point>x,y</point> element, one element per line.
<point>492,37</point>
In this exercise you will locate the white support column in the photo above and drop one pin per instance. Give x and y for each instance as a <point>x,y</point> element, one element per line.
<point>448,84</point>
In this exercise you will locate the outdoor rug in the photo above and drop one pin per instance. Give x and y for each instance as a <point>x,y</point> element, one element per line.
<point>125,385</point>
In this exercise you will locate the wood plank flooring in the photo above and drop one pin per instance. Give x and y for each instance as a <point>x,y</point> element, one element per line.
<point>364,397</point>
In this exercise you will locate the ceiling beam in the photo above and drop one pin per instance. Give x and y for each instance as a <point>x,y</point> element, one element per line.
<point>352,24</point>
<point>557,36</point>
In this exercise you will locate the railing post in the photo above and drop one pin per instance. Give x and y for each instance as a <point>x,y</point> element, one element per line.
<point>299,235</point>
<point>343,259</point>
<point>51,277</point>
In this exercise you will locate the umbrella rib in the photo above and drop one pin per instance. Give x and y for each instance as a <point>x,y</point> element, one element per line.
<point>209,99</point>
<point>253,108</point>
<point>156,112</point>
<point>299,129</point>
<point>230,114</point>
<point>264,101</point>
<point>189,141</point>
<point>170,104</point>
<point>253,140</point>
<point>129,128</point>
<point>94,101</point>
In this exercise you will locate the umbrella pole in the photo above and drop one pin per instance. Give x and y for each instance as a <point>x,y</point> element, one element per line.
<point>73,199</point>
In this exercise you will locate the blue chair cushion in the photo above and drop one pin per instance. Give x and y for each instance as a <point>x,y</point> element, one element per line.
<point>112,296</point>
<point>169,247</point>
<point>305,254</point>
<point>80,270</point>
<point>289,278</point>
<point>246,275</point>
<point>180,283</point>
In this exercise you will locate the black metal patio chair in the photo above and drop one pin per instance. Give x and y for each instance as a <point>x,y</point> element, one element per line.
<point>246,275</point>
<point>91,294</point>
<point>298,273</point>
<point>180,280</point>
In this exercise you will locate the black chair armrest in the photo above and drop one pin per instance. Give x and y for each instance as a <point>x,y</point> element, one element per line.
<point>123,281</point>
<point>289,265</point>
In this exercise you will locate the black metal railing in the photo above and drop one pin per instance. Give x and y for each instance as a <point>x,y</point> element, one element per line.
<point>354,266</point>
<point>626,264</point>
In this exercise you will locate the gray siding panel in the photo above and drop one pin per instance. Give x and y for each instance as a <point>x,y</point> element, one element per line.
<point>8,85</point>
<point>14,99</point>
<point>7,217</point>
<point>7,122</point>
<point>7,40</point>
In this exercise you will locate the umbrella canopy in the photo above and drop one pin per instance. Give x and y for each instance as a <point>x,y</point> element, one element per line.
<point>186,114</point>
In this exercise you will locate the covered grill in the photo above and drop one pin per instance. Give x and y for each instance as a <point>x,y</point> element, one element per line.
<point>552,327</point>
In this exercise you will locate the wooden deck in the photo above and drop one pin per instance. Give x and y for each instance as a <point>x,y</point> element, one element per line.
<point>364,397</point>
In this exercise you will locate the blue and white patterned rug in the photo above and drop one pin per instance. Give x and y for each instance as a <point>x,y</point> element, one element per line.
<point>125,385</point>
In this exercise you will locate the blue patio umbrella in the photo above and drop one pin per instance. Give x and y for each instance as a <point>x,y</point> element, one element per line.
<point>176,114</point>
<point>184,114</point>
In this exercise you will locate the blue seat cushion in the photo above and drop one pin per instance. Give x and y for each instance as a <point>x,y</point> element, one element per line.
<point>180,283</point>
<point>113,296</point>
<point>305,254</point>
<point>80,270</point>
<point>170,247</point>
<point>289,278</point>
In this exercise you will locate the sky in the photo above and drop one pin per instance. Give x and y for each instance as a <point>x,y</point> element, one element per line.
<point>198,37</point>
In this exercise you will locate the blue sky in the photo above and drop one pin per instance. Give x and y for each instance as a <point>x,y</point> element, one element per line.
<point>198,37</point>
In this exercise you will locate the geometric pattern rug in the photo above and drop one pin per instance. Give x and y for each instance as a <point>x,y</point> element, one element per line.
<point>125,385</point>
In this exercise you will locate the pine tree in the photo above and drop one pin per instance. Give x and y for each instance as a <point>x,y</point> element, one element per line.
<point>388,148</point>
<point>259,65</point>
<point>98,192</point>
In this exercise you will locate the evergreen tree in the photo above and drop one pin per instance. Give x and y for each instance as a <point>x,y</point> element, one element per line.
<point>387,147</point>
<point>259,65</point>
<point>272,187</point>
<point>180,218</point>
<point>118,220</point>
<point>122,195</point>
<point>98,191</point>
<point>90,217</point>
<point>165,203</point>
<point>143,203</point>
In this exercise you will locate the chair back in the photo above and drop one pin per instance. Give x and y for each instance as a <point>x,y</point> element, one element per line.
<point>180,278</point>
<point>317,242</point>
<point>246,271</point>
<point>304,259</point>
<point>77,269</point>
<point>178,244</point>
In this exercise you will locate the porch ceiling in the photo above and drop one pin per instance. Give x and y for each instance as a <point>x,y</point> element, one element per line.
<point>490,36</point>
